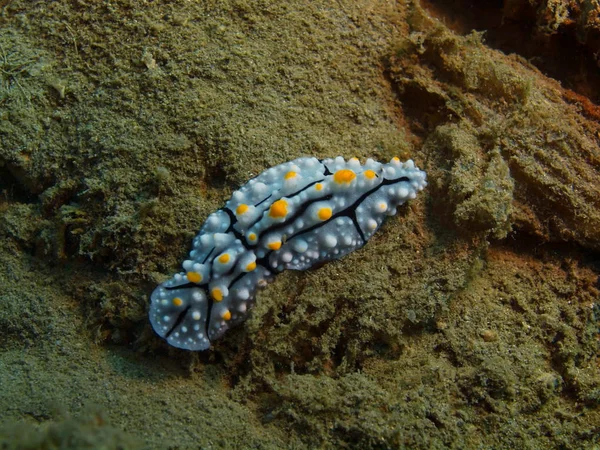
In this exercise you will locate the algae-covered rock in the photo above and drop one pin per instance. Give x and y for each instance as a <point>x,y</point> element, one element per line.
<point>460,325</point>
<point>89,431</point>
<point>473,186</point>
<point>550,148</point>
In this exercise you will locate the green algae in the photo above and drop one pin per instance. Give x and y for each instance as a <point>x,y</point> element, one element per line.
<point>122,128</point>
<point>89,431</point>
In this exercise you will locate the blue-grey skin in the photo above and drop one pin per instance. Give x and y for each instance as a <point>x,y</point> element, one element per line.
<point>292,216</point>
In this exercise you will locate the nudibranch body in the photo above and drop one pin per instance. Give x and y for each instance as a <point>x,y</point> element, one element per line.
<point>292,216</point>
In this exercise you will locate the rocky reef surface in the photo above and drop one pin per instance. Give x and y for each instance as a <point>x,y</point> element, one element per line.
<point>471,320</point>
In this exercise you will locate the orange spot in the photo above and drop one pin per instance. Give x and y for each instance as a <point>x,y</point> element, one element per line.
<point>370,174</point>
<point>278,209</point>
<point>194,277</point>
<point>252,236</point>
<point>241,209</point>
<point>274,245</point>
<point>319,186</point>
<point>226,315</point>
<point>177,301</point>
<point>250,267</point>
<point>224,258</point>
<point>344,176</point>
<point>291,174</point>
<point>217,294</point>
<point>395,159</point>
<point>324,213</point>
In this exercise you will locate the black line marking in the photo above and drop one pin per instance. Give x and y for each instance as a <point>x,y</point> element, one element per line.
<point>264,200</point>
<point>208,255</point>
<point>232,219</point>
<point>284,197</point>
<point>236,279</point>
<point>304,188</point>
<point>180,318</point>
<point>350,211</point>
<point>297,214</point>
<point>264,263</point>
<point>326,172</point>
<point>182,286</point>
<point>357,226</point>
<point>209,307</point>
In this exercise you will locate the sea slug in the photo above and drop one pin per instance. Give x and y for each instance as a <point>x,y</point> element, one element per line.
<point>292,216</point>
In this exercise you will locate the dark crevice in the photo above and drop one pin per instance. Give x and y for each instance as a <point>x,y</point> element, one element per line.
<point>13,189</point>
<point>515,27</point>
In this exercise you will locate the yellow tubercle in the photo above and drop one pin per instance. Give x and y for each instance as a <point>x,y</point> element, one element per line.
<point>344,176</point>
<point>369,174</point>
<point>250,267</point>
<point>224,258</point>
<point>241,209</point>
<point>319,186</point>
<point>324,213</point>
<point>291,174</point>
<point>276,245</point>
<point>395,159</point>
<point>226,315</point>
<point>194,277</point>
<point>177,301</point>
<point>278,209</point>
<point>217,294</point>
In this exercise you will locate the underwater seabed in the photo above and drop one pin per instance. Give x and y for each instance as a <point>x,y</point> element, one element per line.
<point>469,320</point>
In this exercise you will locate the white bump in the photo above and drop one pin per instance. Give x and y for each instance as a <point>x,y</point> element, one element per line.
<point>259,188</point>
<point>330,240</point>
<point>196,315</point>
<point>371,224</point>
<point>213,220</point>
<point>381,206</point>
<point>166,318</point>
<point>286,257</point>
<point>402,192</point>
